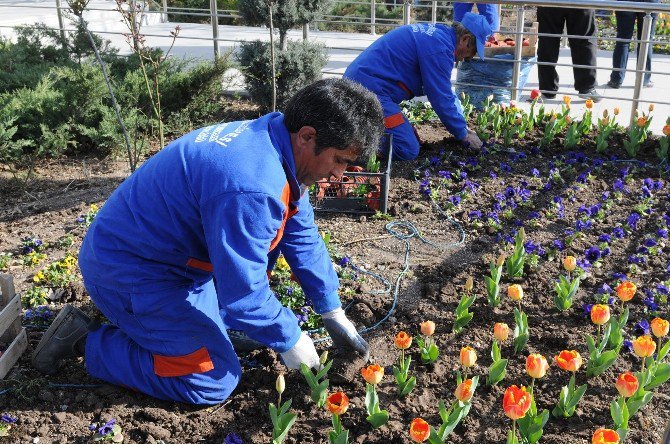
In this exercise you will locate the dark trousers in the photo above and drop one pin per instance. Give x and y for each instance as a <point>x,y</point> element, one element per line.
<point>625,22</point>
<point>580,22</point>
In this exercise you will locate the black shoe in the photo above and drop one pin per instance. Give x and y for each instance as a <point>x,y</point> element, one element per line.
<point>548,96</point>
<point>65,338</point>
<point>242,342</point>
<point>591,94</point>
<point>613,85</point>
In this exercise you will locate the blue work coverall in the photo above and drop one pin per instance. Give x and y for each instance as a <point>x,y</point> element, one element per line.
<point>179,253</point>
<point>488,10</point>
<point>410,61</point>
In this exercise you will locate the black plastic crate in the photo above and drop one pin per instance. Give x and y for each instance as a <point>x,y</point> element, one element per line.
<point>358,191</point>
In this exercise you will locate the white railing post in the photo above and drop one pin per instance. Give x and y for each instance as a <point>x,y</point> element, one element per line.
<point>373,17</point>
<point>305,31</point>
<point>60,24</point>
<point>520,12</point>
<point>433,11</point>
<point>406,13</point>
<point>643,54</point>
<point>214,13</point>
<point>164,15</point>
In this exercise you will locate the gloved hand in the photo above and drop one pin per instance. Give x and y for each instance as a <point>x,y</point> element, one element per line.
<point>343,333</point>
<point>471,141</point>
<point>302,352</point>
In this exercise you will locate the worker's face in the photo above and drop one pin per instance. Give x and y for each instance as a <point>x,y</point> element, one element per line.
<point>311,167</point>
<point>465,50</point>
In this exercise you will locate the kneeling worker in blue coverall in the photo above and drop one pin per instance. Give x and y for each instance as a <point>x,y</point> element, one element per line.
<point>180,251</point>
<point>414,60</point>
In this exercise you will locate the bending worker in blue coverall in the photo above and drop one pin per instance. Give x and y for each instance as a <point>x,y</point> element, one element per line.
<point>179,252</point>
<point>414,60</point>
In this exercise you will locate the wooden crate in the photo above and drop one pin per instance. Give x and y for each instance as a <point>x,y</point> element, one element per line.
<point>526,51</point>
<point>11,332</point>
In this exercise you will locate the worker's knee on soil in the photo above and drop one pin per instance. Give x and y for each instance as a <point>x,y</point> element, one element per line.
<point>405,144</point>
<point>203,389</point>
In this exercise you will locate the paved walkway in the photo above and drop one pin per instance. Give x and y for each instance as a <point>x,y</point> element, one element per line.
<point>194,43</point>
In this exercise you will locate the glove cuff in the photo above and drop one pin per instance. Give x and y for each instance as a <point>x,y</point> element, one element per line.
<point>333,314</point>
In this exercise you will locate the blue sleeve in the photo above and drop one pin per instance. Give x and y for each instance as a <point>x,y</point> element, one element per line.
<point>239,228</point>
<point>436,76</point>
<point>306,253</point>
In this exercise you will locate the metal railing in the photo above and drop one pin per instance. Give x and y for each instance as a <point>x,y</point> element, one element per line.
<point>517,8</point>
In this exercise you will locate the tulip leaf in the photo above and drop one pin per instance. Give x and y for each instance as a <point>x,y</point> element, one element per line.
<point>321,373</point>
<point>285,406</point>
<point>663,351</point>
<point>371,399</point>
<point>511,438</point>
<point>495,351</point>
<point>497,372</point>
<point>378,419</point>
<point>590,343</point>
<point>622,433</point>
<point>408,386</point>
<point>531,427</point>
<point>434,438</point>
<point>616,413</point>
<point>575,397</point>
<point>597,366</point>
<point>661,375</point>
<point>444,414</point>
<point>638,400</point>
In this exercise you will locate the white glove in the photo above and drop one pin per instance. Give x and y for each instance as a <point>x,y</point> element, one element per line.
<point>471,141</point>
<point>302,352</point>
<point>343,333</point>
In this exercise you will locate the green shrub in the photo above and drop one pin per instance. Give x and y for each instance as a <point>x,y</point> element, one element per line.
<point>297,66</point>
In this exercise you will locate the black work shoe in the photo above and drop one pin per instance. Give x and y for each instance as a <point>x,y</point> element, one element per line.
<point>242,342</point>
<point>64,339</point>
<point>613,85</point>
<point>548,96</point>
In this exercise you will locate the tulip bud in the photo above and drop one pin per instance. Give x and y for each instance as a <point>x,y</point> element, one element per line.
<point>501,331</point>
<point>518,121</point>
<point>427,328</point>
<point>323,358</point>
<point>641,121</point>
<point>280,384</point>
<point>500,261</point>
<point>666,130</point>
<point>516,402</point>
<point>616,111</point>
<point>567,100</point>
<point>627,384</point>
<point>403,340</point>
<point>660,327</point>
<point>536,366</point>
<point>468,356</point>
<point>569,263</point>
<point>589,103</point>
<point>644,346</point>
<point>626,290</point>
<point>600,314</point>
<point>569,360</point>
<point>515,292</point>
<point>605,114</point>
<point>568,120</point>
<point>464,391</point>
<point>522,234</point>
<point>605,436</point>
<point>651,107</point>
<point>419,430</point>
<point>469,283</point>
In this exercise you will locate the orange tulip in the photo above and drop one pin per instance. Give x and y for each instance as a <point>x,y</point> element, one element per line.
<point>403,340</point>
<point>337,403</point>
<point>644,346</point>
<point>468,356</point>
<point>660,327</point>
<point>464,391</point>
<point>605,436</point>
<point>534,94</point>
<point>627,384</point>
<point>501,331</point>
<point>427,328</point>
<point>516,402</point>
<point>589,103</point>
<point>515,292</point>
<point>626,290</point>
<point>569,263</point>
<point>568,119</point>
<point>651,107</point>
<point>419,430</point>
<point>600,314</point>
<point>569,360</point>
<point>666,130</point>
<point>536,365</point>
<point>641,121</point>
<point>567,100</point>
<point>616,111</point>
<point>373,374</point>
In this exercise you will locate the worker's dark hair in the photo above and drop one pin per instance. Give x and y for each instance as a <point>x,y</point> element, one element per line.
<point>463,31</point>
<point>343,113</point>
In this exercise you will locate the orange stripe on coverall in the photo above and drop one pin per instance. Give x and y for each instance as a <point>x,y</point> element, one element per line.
<point>170,366</point>
<point>394,120</point>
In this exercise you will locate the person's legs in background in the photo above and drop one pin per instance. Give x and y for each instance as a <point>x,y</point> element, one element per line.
<point>625,21</point>
<point>582,22</point>
<point>646,82</point>
<point>551,21</point>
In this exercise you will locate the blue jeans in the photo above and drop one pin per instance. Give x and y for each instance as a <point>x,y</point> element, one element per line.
<point>624,30</point>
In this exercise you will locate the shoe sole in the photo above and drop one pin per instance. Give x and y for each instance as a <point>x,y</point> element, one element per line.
<point>63,316</point>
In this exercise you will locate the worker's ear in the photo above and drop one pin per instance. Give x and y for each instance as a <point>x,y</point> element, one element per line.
<point>307,137</point>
